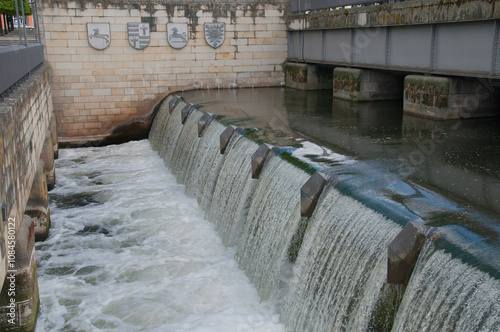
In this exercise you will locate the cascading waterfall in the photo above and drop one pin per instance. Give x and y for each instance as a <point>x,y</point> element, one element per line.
<point>205,166</point>
<point>182,155</point>
<point>274,212</point>
<point>168,131</point>
<point>445,294</point>
<point>128,251</point>
<point>341,267</point>
<point>233,191</point>
<point>338,280</point>
<point>272,221</point>
<point>198,171</point>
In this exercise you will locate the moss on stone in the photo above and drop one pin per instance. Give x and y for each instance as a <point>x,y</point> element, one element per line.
<point>287,156</point>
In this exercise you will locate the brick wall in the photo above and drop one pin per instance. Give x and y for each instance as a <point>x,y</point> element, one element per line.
<point>96,90</point>
<point>24,119</point>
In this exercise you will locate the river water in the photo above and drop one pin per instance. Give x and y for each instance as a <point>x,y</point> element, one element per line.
<point>129,251</point>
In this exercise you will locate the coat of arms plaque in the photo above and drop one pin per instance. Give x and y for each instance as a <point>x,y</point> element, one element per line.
<point>99,35</point>
<point>177,34</point>
<point>138,35</point>
<point>215,33</point>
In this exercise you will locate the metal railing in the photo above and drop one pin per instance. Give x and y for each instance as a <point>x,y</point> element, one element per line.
<point>302,6</point>
<point>20,55</point>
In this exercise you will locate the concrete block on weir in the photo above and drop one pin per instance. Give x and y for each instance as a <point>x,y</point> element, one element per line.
<point>186,111</point>
<point>403,252</point>
<point>225,137</point>
<point>205,119</point>
<point>310,193</point>
<point>173,103</point>
<point>258,159</point>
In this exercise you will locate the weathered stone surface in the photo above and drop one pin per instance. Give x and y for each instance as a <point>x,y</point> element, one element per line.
<point>365,85</point>
<point>310,193</point>
<point>37,207</point>
<point>403,252</point>
<point>399,13</point>
<point>18,310</point>
<point>53,133</point>
<point>47,156</point>
<point>205,119</point>
<point>444,98</point>
<point>188,108</point>
<point>173,102</point>
<point>308,77</point>
<point>225,137</point>
<point>258,159</point>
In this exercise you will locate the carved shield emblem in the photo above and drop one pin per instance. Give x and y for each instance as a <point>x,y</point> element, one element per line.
<point>138,35</point>
<point>177,34</point>
<point>215,33</point>
<point>99,35</point>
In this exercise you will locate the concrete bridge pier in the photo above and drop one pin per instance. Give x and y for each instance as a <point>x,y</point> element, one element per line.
<point>366,85</point>
<point>306,76</point>
<point>444,98</point>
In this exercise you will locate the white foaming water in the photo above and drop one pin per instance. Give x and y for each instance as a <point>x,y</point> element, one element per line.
<point>128,251</point>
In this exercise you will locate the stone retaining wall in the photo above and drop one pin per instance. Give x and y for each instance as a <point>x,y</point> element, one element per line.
<point>95,91</point>
<point>24,124</point>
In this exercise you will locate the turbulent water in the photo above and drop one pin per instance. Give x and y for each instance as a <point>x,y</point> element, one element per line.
<point>128,251</point>
<point>444,294</point>
<point>341,267</point>
<point>136,247</point>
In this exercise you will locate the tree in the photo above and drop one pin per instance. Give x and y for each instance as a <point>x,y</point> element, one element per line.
<point>8,7</point>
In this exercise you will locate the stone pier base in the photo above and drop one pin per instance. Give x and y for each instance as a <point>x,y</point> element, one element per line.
<point>444,98</point>
<point>304,76</point>
<point>53,135</point>
<point>47,156</point>
<point>366,85</point>
<point>38,203</point>
<point>19,298</point>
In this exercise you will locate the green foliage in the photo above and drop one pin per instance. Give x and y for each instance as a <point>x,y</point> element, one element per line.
<point>8,7</point>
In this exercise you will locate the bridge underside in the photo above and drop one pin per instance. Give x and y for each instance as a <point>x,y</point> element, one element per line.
<point>468,49</point>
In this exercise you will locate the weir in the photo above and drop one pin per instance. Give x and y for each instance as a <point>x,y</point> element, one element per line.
<point>328,269</point>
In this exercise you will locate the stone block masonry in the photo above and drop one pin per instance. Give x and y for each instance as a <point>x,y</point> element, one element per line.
<point>97,91</point>
<point>308,76</point>
<point>25,117</point>
<point>365,85</point>
<point>444,98</point>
